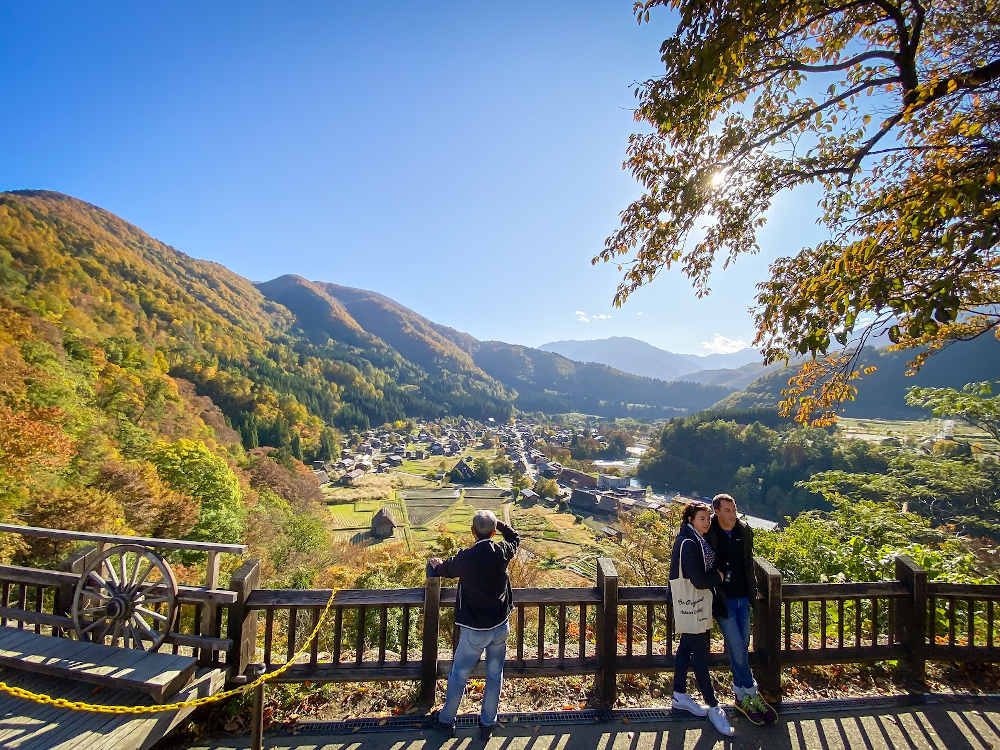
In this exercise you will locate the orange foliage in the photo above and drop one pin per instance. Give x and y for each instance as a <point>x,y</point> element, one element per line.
<point>30,439</point>
<point>76,509</point>
<point>150,507</point>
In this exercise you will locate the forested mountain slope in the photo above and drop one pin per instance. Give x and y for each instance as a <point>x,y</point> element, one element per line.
<point>284,361</point>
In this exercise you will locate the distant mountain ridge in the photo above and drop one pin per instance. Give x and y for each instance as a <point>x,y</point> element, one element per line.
<point>641,358</point>
<point>533,379</point>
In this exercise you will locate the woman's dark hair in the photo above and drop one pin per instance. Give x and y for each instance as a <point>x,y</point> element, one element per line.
<point>692,509</point>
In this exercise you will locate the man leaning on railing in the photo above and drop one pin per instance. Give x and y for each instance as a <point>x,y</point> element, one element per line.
<point>732,541</point>
<point>482,610</point>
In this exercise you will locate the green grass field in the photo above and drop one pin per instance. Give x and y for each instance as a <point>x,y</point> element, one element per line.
<point>910,431</point>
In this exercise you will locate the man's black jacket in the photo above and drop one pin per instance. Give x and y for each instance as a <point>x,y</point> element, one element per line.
<point>484,599</point>
<point>741,533</point>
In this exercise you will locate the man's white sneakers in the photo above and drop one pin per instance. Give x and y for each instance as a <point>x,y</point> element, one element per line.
<point>720,721</point>
<point>684,702</point>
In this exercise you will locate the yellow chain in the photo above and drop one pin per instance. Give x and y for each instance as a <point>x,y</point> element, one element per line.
<point>48,700</point>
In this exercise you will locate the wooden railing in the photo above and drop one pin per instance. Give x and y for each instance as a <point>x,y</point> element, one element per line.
<point>606,630</point>
<point>603,630</point>
<point>209,618</point>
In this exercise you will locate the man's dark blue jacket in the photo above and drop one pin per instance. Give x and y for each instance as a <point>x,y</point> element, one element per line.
<point>484,598</point>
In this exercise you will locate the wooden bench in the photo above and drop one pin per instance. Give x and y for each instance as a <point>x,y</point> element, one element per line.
<point>157,675</point>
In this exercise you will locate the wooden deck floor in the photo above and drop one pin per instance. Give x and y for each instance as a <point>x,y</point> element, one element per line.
<point>30,726</point>
<point>158,675</point>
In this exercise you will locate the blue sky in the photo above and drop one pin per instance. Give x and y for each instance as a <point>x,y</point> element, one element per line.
<point>463,159</point>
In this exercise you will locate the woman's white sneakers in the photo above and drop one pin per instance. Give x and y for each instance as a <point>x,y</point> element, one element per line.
<point>717,715</point>
<point>684,702</point>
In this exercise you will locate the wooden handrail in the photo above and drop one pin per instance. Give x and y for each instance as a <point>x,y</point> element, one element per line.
<point>791,592</point>
<point>86,536</point>
<point>41,577</point>
<point>965,590</point>
<point>535,596</point>
<point>305,598</point>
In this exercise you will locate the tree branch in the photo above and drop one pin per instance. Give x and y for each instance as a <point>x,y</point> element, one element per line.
<point>807,114</point>
<point>791,65</point>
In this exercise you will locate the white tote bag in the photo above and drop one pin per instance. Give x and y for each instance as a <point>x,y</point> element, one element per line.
<point>692,606</point>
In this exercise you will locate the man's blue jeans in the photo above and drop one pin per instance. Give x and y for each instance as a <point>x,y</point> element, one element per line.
<point>471,644</point>
<point>736,631</point>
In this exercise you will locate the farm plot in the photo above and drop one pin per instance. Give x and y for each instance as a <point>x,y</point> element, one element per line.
<point>422,512</point>
<point>486,503</point>
<point>348,516</point>
<point>444,493</point>
<point>486,493</point>
<point>424,505</point>
<point>459,518</point>
<point>547,534</point>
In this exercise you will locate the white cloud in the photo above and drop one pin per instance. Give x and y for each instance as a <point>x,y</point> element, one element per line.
<point>723,345</point>
<point>639,314</point>
<point>582,317</point>
<point>601,317</point>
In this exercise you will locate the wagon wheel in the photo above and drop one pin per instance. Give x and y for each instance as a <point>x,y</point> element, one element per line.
<point>129,594</point>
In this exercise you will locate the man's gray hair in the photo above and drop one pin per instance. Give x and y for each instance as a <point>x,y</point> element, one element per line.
<point>484,523</point>
<point>721,498</point>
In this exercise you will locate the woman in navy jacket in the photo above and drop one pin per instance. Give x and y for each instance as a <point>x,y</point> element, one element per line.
<point>696,558</point>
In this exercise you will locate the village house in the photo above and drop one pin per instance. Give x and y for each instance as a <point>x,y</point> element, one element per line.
<point>593,501</point>
<point>550,468</point>
<point>612,533</point>
<point>626,506</point>
<point>609,482</point>
<point>633,493</point>
<point>574,478</point>
<point>383,524</point>
<point>352,477</point>
<point>463,472</point>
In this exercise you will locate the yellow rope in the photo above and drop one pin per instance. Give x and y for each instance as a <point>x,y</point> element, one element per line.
<point>48,700</point>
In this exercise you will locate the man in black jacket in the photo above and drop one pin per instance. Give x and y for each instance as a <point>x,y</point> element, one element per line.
<point>482,609</point>
<point>732,541</point>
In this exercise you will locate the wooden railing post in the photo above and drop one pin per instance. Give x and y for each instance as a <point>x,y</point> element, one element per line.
<point>257,712</point>
<point>429,649</point>
<point>242,629</point>
<point>768,630</point>
<point>208,609</point>
<point>911,623</point>
<point>607,634</point>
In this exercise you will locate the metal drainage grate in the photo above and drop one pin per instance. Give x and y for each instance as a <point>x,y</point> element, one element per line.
<point>629,715</point>
<point>465,721</point>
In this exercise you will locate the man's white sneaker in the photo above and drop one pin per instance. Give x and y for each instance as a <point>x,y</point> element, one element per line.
<point>720,721</point>
<point>684,702</point>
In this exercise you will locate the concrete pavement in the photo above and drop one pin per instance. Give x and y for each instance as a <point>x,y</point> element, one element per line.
<point>945,724</point>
